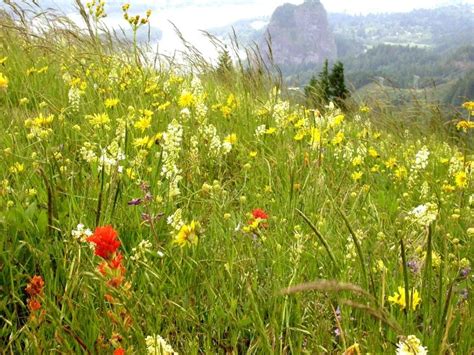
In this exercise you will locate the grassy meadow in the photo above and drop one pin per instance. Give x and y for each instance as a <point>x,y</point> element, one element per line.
<point>153,207</point>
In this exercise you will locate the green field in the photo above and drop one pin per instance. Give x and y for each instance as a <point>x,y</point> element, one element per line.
<point>144,205</point>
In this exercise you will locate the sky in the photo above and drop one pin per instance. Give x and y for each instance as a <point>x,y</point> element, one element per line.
<point>190,16</point>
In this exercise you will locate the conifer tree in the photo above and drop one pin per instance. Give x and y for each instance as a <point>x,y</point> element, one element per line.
<point>337,84</point>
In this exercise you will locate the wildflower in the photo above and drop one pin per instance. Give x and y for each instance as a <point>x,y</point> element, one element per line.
<point>270,131</point>
<point>424,214</point>
<point>373,153</point>
<point>399,298</point>
<point>231,138</point>
<point>35,286</point>
<point>140,252</point>
<point>105,240</point>
<point>111,103</point>
<point>465,125</point>
<point>143,123</point>
<point>188,234</point>
<point>3,82</point>
<point>411,346</point>
<point>186,99</point>
<point>81,233</point>
<point>460,178</point>
<point>421,159</point>
<point>447,188</point>
<point>258,220</point>
<point>414,266</point>
<point>338,139</point>
<point>156,345</point>
<point>357,175</point>
<point>98,119</point>
<point>134,202</point>
<point>34,289</point>
<point>391,163</point>
<point>119,351</point>
<point>259,213</point>
<point>17,168</point>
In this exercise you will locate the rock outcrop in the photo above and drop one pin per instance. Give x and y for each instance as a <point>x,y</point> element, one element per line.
<point>300,35</point>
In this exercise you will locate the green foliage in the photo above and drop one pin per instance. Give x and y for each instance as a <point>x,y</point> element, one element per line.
<point>329,87</point>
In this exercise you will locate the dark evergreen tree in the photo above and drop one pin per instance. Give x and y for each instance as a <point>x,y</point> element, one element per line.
<point>338,89</point>
<point>224,65</point>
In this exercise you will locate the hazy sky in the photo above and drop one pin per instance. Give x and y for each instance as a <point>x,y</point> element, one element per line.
<point>192,15</point>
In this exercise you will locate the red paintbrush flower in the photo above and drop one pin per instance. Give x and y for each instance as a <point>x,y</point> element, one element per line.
<point>259,213</point>
<point>119,351</point>
<point>33,304</point>
<point>35,286</point>
<point>106,242</point>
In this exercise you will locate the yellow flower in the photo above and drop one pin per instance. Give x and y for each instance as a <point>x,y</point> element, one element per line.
<point>270,130</point>
<point>465,125</point>
<point>460,178</point>
<point>17,168</point>
<point>299,135</point>
<point>338,139</point>
<point>391,163</point>
<point>141,142</point>
<point>110,103</point>
<point>3,81</point>
<point>186,99</point>
<point>401,173</point>
<point>399,298</point>
<point>315,136</point>
<point>364,109</point>
<point>357,161</point>
<point>253,154</point>
<point>357,175</point>
<point>188,234</point>
<point>447,188</point>
<point>143,123</point>
<point>231,138</point>
<point>98,119</point>
<point>373,153</point>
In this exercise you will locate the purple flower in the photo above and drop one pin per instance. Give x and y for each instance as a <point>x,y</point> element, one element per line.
<point>465,272</point>
<point>463,295</point>
<point>413,266</point>
<point>135,202</point>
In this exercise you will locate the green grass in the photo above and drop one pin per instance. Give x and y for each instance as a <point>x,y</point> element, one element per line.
<point>332,244</point>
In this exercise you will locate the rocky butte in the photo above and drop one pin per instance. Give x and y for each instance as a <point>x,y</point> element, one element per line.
<point>300,35</point>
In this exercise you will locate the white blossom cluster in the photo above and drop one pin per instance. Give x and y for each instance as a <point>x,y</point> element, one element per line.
<point>156,345</point>
<point>425,214</point>
<point>172,140</point>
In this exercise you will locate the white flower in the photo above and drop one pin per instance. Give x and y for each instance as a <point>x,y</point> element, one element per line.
<point>260,130</point>
<point>411,346</point>
<point>139,252</point>
<point>156,345</point>
<point>425,214</point>
<point>176,219</point>
<point>81,233</point>
<point>421,159</point>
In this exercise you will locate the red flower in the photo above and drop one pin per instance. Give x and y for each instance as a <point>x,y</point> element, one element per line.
<point>33,304</point>
<point>259,213</point>
<point>119,351</point>
<point>106,243</point>
<point>35,286</point>
<point>116,262</point>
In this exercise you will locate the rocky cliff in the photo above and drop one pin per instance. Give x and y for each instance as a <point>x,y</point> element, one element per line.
<point>300,35</point>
